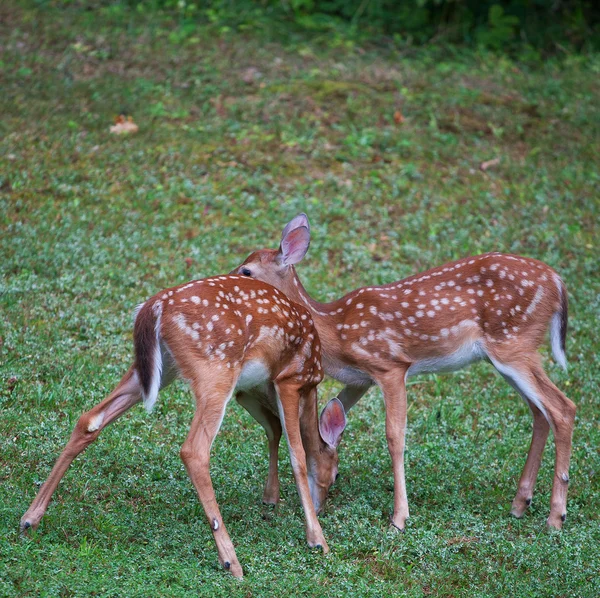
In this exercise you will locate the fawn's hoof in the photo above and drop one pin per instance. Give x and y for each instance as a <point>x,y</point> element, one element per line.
<point>234,568</point>
<point>519,506</point>
<point>26,524</point>
<point>319,545</point>
<point>399,526</point>
<point>556,522</point>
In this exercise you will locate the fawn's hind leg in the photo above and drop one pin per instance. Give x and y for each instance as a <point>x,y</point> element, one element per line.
<point>126,394</point>
<point>528,376</point>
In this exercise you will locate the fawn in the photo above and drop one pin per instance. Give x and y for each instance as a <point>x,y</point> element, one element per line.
<point>494,306</point>
<point>226,335</point>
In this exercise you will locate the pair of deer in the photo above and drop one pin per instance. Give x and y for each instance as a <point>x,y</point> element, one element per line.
<point>257,333</point>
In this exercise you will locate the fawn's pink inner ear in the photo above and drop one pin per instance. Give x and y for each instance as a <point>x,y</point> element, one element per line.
<point>296,222</point>
<point>333,422</point>
<point>295,245</point>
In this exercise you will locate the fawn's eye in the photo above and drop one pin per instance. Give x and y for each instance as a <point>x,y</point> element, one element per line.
<point>246,272</point>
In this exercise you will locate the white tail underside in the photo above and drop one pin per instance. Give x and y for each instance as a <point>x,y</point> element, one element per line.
<point>555,341</point>
<point>157,367</point>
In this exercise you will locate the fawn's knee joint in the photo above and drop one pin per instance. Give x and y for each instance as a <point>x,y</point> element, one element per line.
<point>185,453</point>
<point>95,422</point>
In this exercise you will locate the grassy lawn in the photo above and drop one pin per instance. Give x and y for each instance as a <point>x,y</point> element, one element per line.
<point>237,135</point>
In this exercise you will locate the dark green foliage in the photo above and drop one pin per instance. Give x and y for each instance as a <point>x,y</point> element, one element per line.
<point>511,25</point>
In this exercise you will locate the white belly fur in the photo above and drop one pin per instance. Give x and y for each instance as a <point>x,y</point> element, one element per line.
<point>467,354</point>
<point>254,375</point>
<point>352,377</point>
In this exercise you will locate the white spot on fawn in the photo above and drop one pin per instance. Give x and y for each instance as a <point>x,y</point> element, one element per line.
<point>537,298</point>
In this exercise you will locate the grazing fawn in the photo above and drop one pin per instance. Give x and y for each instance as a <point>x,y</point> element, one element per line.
<point>226,335</point>
<point>493,306</point>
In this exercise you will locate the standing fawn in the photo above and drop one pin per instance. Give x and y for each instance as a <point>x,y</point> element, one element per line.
<point>493,306</point>
<point>226,335</point>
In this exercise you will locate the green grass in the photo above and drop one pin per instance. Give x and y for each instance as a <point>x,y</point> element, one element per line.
<point>93,224</point>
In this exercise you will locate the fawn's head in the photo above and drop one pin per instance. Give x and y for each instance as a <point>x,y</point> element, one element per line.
<point>275,266</point>
<point>322,463</point>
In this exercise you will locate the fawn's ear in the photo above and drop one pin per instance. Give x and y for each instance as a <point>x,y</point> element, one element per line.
<point>332,422</point>
<point>296,222</point>
<point>294,246</point>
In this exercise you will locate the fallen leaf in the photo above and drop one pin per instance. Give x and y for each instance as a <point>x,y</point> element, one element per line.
<point>398,117</point>
<point>489,163</point>
<point>124,124</point>
<point>250,75</point>
<point>188,262</point>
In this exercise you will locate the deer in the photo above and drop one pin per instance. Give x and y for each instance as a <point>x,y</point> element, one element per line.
<point>495,307</point>
<point>226,335</point>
